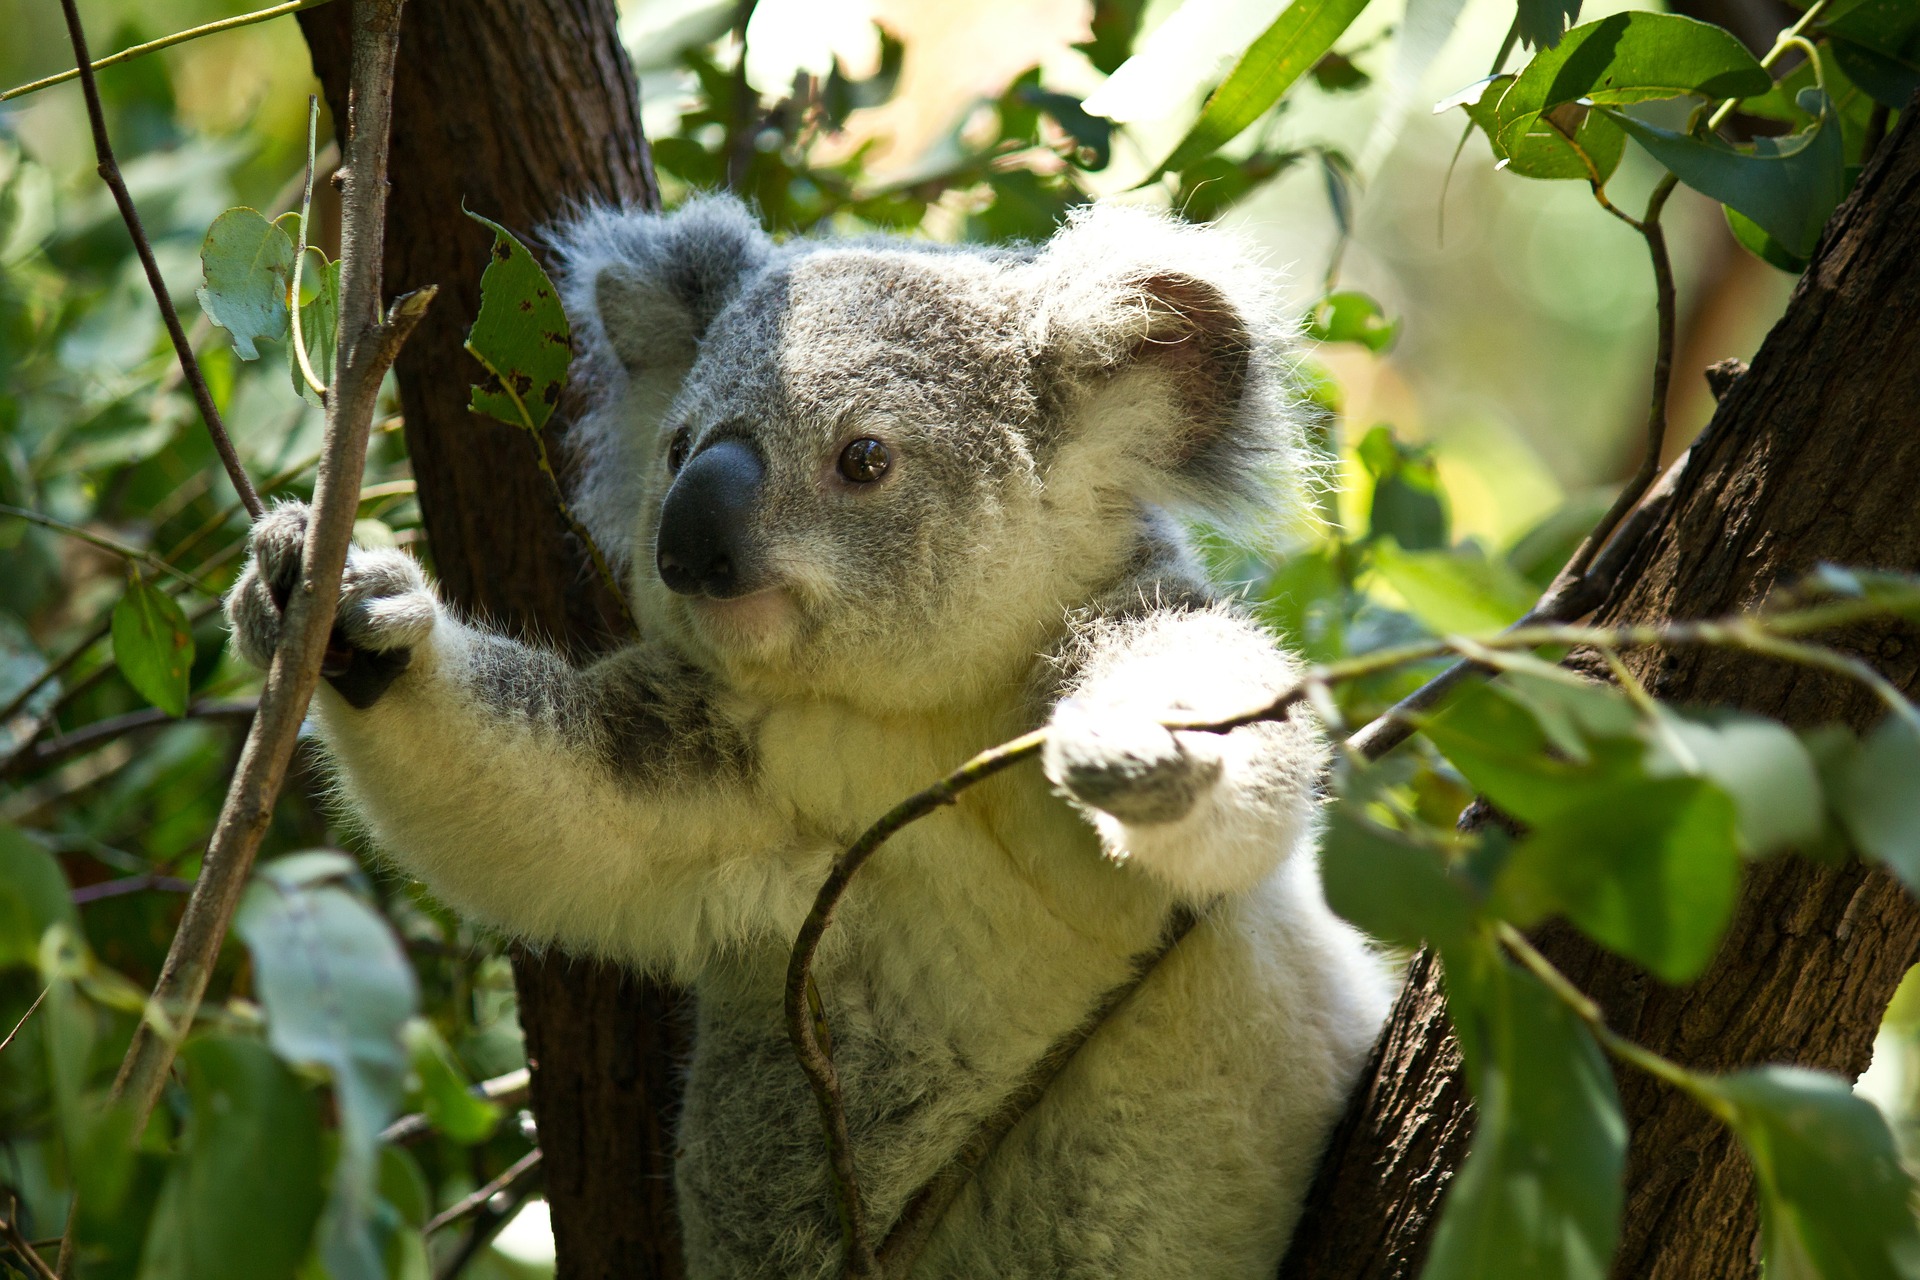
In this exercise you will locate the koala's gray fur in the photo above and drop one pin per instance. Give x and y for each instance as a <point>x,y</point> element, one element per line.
<point>676,804</point>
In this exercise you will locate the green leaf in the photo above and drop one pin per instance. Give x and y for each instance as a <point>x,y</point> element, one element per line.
<point>1539,1195</point>
<point>1285,51</point>
<point>1393,889</point>
<point>1877,43</point>
<point>1407,504</point>
<point>1788,186</point>
<point>319,332</point>
<point>153,645</point>
<point>241,1202</point>
<point>445,1094</point>
<point>1878,797</point>
<point>1748,235</point>
<point>1627,58</point>
<point>1542,23</point>
<point>1758,762</point>
<point>1457,592</point>
<point>1349,316</point>
<point>1648,869</point>
<point>1569,141</point>
<point>33,897</point>
<point>337,991</point>
<point>246,262</point>
<point>1834,1201</point>
<point>521,336</point>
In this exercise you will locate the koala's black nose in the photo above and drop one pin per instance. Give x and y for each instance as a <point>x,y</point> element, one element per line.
<point>705,520</point>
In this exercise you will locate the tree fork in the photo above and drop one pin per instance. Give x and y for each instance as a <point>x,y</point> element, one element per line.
<point>1809,458</point>
<point>521,111</point>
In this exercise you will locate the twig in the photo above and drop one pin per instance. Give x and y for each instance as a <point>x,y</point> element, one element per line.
<point>300,258</point>
<point>131,554</point>
<point>365,348</point>
<point>508,1090</point>
<point>167,42</point>
<point>467,1204</point>
<point>10,1230</point>
<point>485,1225</point>
<point>743,110</point>
<point>23,1018</point>
<point>130,884</point>
<point>39,755</point>
<point>110,173</point>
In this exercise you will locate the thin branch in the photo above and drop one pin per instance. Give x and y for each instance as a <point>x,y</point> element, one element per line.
<point>109,169</point>
<point>143,883</point>
<point>743,108</point>
<point>23,1018</point>
<point>167,42</point>
<point>476,1200</point>
<point>10,1231</point>
<point>365,345</point>
<point>40,755</point>
<point>131,554</point>
<point>300,258</point>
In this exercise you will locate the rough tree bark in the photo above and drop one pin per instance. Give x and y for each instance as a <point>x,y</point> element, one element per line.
<point>1812,457</point>
<point>520,109</point>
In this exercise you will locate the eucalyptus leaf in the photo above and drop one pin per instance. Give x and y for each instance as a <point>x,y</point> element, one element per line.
<point>1351,316</point>
<point>1539,1195</point>
<point>33,897</point>
<point>337,991</point>
<point>153,645</point>
<point>241,1201</point>
<point>1541,23</point>
<point>1878,797</point>
<point>246,262</point>
<point>319,332</point>
<point>1285,51</point>
<point>1788,186</point>
<point>445,1093</point>
<point>521,336</point>
<point>1393,889</point>
<point>1877,44</point>
<point>1455,592</point>
<point>1835,1203</point>
<point>1758,762</point>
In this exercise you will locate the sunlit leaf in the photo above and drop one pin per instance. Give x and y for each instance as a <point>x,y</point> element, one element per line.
<point>1569,142</point>
<point>1626,58</point>
<point>1542,23</point>
<point>153,645</point>
<point>1285,51</point>
<point>241,1201</point>
<point>1456,592</point>
<point>1758,762</point>
<point>246,262</point>
<point>1539,1195</point>
<point>1350,316</point>
<point>1835,1203</point>
<point>337,991</point>
<point>1787,186</point>
<point>1878,797</point>
<point>521,336</point>
<point>445,1095</point>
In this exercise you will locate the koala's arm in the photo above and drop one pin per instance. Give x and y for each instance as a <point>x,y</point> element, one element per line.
<point>1204,813</point>
<point>610,808</point>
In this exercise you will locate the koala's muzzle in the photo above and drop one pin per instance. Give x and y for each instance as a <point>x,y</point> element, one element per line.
<point>706,522</point>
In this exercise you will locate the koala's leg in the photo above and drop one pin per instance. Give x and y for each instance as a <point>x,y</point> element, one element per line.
<point>611,808</point>
<point>1204,813</point>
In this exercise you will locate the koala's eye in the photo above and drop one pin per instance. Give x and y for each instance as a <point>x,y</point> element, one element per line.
<point>677,450</point>
<point>864,461</point>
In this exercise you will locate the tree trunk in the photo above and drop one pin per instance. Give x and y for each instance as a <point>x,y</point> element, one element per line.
<point>519,111</point>
<point>1812,457</point>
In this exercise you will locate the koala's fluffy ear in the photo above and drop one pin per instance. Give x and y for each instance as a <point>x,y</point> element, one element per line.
<point>641,290</point>
<point>1183,328</point>
<point>643,287</point>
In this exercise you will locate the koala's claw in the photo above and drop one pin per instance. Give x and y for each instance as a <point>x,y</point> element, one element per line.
<point>1125,765</point>
<point>386,608</point>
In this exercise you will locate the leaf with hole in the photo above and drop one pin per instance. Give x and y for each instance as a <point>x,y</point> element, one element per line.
<point>521,336</point>
<point>1835,1203</point>
<point>245,263</point>
<point>1539,1195</point>
<point>153,645</point>
<point>1542,23</point>
<point>1285,51</point>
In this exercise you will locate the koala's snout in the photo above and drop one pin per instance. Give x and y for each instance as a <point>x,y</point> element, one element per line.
<point>705,524</point>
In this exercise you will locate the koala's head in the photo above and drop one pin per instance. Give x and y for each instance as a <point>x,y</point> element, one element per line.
<point>884,469</point>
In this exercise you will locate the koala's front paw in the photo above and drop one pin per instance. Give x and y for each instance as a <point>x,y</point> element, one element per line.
<point>386,607</point>
<point>1125,765</point>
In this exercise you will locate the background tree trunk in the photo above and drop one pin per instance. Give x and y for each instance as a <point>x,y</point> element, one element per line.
<point>1813,456</point>
<point>520,109</point>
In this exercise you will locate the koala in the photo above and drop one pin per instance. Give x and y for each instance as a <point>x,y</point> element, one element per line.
<point>879,504</point>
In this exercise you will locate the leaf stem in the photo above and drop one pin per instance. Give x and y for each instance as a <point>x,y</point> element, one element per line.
<point>131,554</point>
<point>300,256</point>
